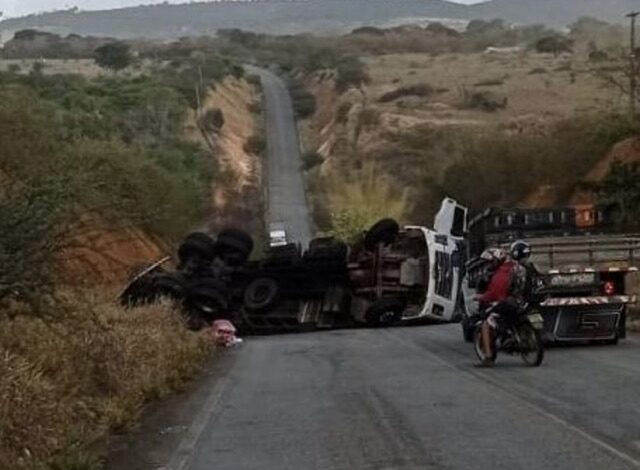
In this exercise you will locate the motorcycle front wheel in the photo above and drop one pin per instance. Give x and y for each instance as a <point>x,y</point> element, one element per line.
<point>479,349</point>
<point>531,345</point>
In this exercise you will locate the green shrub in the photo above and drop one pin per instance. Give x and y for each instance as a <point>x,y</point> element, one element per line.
<point>351,72</point>
<point>311,160</point>
<point>255,145</point>
<point>554,44</point>
<point>114,56</point>
<point>304,103</point>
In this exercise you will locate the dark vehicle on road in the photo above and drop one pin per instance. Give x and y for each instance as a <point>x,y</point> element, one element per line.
<point>583,268</point>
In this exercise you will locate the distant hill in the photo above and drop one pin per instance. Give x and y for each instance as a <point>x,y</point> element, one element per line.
<point>269,16</point>
<point>554,12</point>
<point>317,16</point>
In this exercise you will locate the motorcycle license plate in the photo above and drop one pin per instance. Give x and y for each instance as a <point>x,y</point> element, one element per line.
<point>536,319</point>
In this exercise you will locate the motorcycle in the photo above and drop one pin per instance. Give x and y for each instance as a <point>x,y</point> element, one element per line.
<point>521,337</point>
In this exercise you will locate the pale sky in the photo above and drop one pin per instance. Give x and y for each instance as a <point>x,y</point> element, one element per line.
<point>24,7</point>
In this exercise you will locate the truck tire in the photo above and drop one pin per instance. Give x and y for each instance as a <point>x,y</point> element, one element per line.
<point>262,293</point>
<point>384,231</point>
<point>384,312</point>
<point>172,285</point>
<point>208,283</point>
<point>335,251</point>
<point>198,246</point>
<point>208,297</point>
<point>139,290</point>
<point>283,255</point>
<point>232,251</point>
<point>238,235</point>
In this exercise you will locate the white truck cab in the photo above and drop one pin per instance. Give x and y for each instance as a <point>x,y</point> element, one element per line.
<point>416,276</point>
<point>446,258</point>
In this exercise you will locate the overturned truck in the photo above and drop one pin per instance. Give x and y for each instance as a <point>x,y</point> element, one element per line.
<point>392,275</point>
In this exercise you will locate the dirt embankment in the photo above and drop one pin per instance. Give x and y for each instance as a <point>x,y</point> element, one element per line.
<point>101,252</point>
<point>417,91</point>
<point>236,195</point>
<point>627,151</point>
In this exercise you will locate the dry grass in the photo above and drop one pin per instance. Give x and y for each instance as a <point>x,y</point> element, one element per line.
<point>557,94</point>
<point>65,383</point>
<point>359,200</point>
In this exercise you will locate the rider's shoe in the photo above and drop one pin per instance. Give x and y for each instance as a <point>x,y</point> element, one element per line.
<point>486,363</point>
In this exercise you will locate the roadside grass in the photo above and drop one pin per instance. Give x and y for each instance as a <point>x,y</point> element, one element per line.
<point>359,200</point>
<point>83,371</point>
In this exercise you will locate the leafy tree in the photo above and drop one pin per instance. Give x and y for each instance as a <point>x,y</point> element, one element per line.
<point>352,72</point>
<point>113,56</point>
<point>554,45</point>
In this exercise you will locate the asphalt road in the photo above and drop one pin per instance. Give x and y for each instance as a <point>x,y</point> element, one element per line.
<point>402,398</point>
<point>411,398</point>
<point>286,198</point>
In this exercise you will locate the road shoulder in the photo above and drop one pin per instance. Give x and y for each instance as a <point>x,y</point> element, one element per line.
<point>168,427</point>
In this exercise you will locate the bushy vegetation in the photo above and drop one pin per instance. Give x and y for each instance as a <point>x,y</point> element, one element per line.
<point>113,56</point>
<point>497,168</point>
<point>80,158</point>
<point>493,166</point>
<point>555,44</point>
<point>351,72</point>
<point>356,202</point>
<point>311,160</point>
<point>256,145</point>
<point>72,148</point>
<point>304,103</point>
<point>30,43</point>
<point>64,385</point>
<point>114,146</point>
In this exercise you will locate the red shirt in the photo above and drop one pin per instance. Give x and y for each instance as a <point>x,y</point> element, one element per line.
<point>499,285</point>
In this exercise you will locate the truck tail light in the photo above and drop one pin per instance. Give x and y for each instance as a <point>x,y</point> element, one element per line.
<point>609,288</point>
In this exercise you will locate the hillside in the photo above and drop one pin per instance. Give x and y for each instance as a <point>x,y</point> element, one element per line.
<point>553,12</point>
<point>159,21</point>
<point>316,16</point>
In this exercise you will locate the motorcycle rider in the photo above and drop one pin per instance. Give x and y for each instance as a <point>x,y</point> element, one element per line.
<point>504,293</point>
<point>520,251</point>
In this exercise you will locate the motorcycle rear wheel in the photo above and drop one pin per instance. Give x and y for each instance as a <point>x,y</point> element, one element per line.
<point>531,345</point>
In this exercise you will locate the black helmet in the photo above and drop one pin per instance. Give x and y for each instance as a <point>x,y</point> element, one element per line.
<point>520,250</point>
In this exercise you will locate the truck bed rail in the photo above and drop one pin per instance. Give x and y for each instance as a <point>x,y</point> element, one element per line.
<point>600,252</point>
